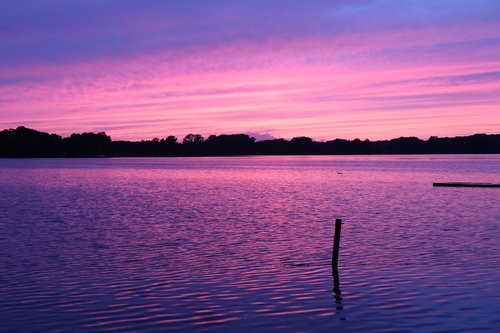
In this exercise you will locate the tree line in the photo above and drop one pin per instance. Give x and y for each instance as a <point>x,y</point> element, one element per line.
<point>25,142</point>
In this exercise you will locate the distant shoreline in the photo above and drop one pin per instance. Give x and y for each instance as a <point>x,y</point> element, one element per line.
<point>23,142</point>
<point>247,156</point>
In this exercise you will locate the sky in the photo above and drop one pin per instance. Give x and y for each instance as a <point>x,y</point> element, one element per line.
<point>138,69</point>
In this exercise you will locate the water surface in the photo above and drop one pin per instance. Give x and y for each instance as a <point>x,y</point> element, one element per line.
<point>244,244</point>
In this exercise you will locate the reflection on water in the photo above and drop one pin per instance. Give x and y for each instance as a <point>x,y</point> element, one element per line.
<point>337,292</point>
<point>231,244</point>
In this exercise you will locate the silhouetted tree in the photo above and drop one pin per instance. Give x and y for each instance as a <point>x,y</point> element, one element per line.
<point>170,146</point>
<point>273,147</point>
<point>171,139</point>
<point>25,142</point>
<point>192,138</point>
<point>192,145</point>
<point>88,144</point>
<point>233,144</point>
<point>302,145</point>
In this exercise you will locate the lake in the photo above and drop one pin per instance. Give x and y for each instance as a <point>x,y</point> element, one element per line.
<point>245,243</point>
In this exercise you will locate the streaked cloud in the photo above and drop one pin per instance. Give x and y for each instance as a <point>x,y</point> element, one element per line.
<point>138,69</point>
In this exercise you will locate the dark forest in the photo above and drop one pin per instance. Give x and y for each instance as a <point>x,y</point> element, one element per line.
<point>25,142</point>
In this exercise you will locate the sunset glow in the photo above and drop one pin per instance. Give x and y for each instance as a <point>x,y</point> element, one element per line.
<point>323,69</point>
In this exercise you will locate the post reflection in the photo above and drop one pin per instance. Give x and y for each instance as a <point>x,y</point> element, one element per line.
<point>337,293</point>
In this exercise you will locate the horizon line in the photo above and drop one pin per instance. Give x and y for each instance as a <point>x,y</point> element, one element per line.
<point>248,133</point>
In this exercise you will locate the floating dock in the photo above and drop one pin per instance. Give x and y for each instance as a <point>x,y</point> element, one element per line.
<point>460,184</point>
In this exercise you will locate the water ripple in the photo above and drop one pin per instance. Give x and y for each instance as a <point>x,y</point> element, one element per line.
<point>235,244</point>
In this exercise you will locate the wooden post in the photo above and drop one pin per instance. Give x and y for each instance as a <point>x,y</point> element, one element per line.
<point>336,242</point>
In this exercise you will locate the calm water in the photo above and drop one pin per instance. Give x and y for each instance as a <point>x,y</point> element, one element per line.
<point>244,244</point>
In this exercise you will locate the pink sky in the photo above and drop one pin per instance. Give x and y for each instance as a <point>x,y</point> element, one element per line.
<point>324,69</point>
